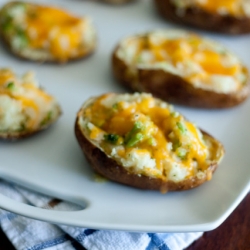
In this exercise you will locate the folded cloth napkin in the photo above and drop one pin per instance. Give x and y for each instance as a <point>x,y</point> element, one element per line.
<point>30,234</point>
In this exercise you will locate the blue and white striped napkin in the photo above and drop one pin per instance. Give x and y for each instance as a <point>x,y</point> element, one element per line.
<point>29,234</point>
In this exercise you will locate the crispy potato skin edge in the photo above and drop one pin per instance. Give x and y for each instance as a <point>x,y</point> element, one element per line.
<point>110,169</point>
<point>173,88</point>
<point>201,19</point>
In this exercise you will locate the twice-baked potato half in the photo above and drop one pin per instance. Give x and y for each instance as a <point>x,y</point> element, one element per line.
<point>24,107</point>
<point>181,67</point>
<point>44,33</point>
<point>140,141</point>
<point>226,16</point>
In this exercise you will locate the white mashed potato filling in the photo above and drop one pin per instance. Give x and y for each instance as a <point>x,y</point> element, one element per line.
<point>146,136</point>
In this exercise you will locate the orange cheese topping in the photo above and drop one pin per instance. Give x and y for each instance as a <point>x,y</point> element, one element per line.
<point>178,50</point>
<point>230,6</point>
<point>53,29</point>
<point>212,63</point>
<point>198,146</point>
<point>147,126</point>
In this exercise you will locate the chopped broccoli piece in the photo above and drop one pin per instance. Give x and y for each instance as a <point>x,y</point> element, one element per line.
<point>115,106</point>
<point>181,127</point>
<point>176,144</point>
<point>135,135</point>
<point>182,153</point>
<point>22,38</point>
<point>138,125</point>
<point>10,85</point>
<point>112,138</point>
<point>134,140</point>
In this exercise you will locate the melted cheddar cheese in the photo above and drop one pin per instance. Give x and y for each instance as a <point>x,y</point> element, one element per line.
<point>23,105</point>
<point>146,136</point>
<point>199,61</point>
<point>222,7</point>
<point>46,31</point>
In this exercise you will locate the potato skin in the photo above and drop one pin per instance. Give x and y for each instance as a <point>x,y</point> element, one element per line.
<point>199,18</point>
<point>110,169</point>
<point>174,89</point>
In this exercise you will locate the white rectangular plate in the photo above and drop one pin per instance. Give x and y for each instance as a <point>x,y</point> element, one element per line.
<point>52,161</point>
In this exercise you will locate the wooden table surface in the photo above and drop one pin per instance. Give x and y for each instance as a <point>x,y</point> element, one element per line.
<point>233,234</point>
